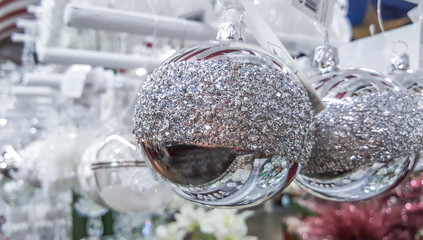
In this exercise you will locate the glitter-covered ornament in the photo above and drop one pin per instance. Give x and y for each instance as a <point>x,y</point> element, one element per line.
<point>124,181</point>
<point>367,138</point>
<point>411,80</point>
<point>224,123</point>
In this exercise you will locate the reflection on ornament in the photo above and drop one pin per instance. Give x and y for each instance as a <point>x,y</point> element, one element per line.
<point>224,123</point>
<point>368,137</point>
<point>125,183</point>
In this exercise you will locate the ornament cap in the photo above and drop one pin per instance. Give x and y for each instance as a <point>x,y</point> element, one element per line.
<point>400,62</point>
<point>231,27</point>
<point>326,59</point>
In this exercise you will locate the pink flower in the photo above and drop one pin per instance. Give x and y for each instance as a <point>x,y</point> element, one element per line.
<point>397,215</point>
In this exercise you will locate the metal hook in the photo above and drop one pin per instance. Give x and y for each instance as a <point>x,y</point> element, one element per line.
<point>397,49</point>
<point>239,10</point>
<point>326,38</point>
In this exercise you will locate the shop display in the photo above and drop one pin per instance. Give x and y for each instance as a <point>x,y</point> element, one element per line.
<point>207,119</point>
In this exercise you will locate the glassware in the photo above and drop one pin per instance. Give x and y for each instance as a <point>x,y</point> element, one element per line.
<point>87,185</point>
<point>93,212</point>
<point>124,181</point>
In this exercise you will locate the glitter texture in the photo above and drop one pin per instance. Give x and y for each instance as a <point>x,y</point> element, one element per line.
<point>226,103</point>
<point>413,82</point>
<point>362,130</point>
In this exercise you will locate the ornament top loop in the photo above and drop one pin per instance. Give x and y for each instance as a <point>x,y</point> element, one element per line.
<point>399,47</point>
<point>232,13</point>
<point>400,61</point>
<point>231,27</point>
<point>326,59</point>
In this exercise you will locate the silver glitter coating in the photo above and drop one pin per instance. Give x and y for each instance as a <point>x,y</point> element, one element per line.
<point>362,130</point>
<point>413,82</point>
<point>226,103</point>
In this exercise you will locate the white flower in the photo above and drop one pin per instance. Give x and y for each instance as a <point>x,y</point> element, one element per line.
<point>295,225</point>
<point>171,231</point>
<point>190,216</point>
<point>176,203</point>
<point>226,224</point>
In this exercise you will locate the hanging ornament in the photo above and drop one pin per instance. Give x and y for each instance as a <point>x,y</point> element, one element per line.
<point>86,183</point>
<point>401,73</point>
<point>367,138</point>
<point>224,123</point>
<point>125,183</point>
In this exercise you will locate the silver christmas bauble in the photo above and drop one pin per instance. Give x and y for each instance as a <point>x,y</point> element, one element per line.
<point>367,138</point>
<point>124,181</point>
<point>224,123</point>
<point>410,80</point>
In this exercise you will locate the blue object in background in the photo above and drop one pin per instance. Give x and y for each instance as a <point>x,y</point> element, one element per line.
<point>356,11</point>
<point>392,9</point>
